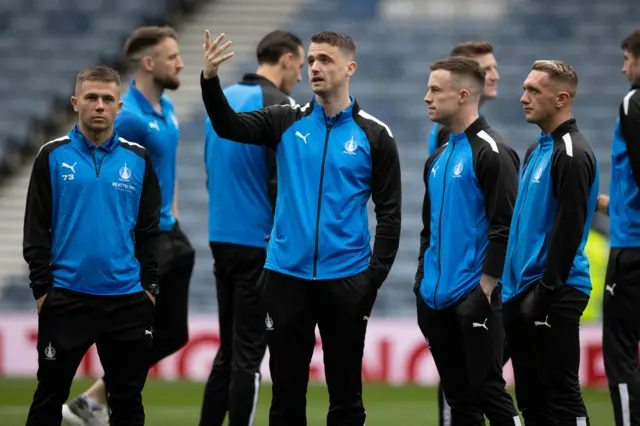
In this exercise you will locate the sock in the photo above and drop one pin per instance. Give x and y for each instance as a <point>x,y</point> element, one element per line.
<point>93,405</point>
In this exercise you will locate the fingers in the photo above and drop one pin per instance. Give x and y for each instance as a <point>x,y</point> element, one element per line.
<point>212,46</point>
<point>220,59</point>
<point>208,46</point>
<point>207,40</point>
<point>215,57</point>
<point>223,48</point>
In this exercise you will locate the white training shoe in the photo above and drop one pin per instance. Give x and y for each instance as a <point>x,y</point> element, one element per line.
<point>79,413</point>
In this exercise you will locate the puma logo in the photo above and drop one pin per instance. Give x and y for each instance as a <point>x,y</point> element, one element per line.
<point>73,168</point>
<point>610,288</point>
<point>304,138</point>
<point>148,333</point>
<point>481,324</point>
<point>544,323</point>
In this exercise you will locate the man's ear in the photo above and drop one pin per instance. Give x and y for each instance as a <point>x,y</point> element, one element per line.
<point>563,99</point>
<point>74,103</point>
<point>463,96</point>
<point>285,60</point>
<point>351,68</point>
<point>147,63</point>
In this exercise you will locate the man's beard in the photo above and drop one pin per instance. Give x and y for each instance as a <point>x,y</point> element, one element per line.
<point>168,83</point>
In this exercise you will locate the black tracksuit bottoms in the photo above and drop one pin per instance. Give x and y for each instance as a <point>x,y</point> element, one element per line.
<point>621,333</point>
<point>171,326</point>
<point>233,384</point>
<point>546,359</point>
<point>444,409</point>
<point>467,344</point>
<point>68,324</point>
<point>341,309</point>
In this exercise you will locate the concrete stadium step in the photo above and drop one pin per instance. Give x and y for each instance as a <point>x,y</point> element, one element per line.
<point>12,208</point>
<point>244,22</point>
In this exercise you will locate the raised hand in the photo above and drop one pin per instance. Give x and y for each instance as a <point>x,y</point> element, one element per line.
<point>213,55</point>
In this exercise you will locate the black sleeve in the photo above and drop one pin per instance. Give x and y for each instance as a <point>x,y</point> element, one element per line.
<point>273,177</point>
<point>572,177</point>
<point>148,226</point>
<point>630,128</point>
<point>497,175</point>
<point>263,127</point>
<point>36,243</point>
<point>443,135</point>
<point>271,154</point>
<point>425,234</point>
<point>514,157</point>
<point>386,193</point>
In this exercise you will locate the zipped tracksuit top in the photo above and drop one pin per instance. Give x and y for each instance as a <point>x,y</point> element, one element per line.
<point>551,221</point>
<point>470,191</point>
<point>624,186</point>
<point>242,178</point>
<point>159,133</point>
<point>328,168</point>
<point>92,217</point>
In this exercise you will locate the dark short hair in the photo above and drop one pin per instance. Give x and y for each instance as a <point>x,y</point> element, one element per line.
<point>560,71</point>
<point>632,43</point>
<point>98,73</point>
<point>472,48</point>
<point>336,39</point>
<point>275,44</point>
<point>461,66</point>
<point>145,37</point>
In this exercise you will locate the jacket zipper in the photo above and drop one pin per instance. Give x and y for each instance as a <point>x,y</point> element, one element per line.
<point>324,157</point>
<point>95,163</point>
<point>517,221</point>
<point>444,188</point>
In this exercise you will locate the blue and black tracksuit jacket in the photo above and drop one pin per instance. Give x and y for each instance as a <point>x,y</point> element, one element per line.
<point>470,190</point>
<point>328,168</point>
<point>624,186</point>
<point>242,178</point>
<point>92,217</point>
<point>552,217</point>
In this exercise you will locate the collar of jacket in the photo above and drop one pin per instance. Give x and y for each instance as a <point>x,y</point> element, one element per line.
<point>474,128</point>
<point>253,79</point>
<point>564,128</point>
<point>143,102</point>
<point>109,145</point>
<point>635,85</point>
<point>342,117</point>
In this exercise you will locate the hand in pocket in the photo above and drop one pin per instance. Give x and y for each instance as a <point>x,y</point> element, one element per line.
<point>151,297</point>
<point>39,302</point>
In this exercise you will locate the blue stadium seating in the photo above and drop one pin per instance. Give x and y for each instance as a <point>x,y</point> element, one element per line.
<point>56,38</point>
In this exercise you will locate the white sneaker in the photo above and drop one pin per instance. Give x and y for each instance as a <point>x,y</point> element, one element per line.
<point>79,413</point>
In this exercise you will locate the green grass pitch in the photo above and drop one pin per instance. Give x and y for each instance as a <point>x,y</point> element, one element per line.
<point>178,403</point>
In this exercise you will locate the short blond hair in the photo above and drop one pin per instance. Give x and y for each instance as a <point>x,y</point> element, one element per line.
<point>560,71</point>
<point>98,73</point>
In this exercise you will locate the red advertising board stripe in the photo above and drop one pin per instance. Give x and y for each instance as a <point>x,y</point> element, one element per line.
<point>395,353</point>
